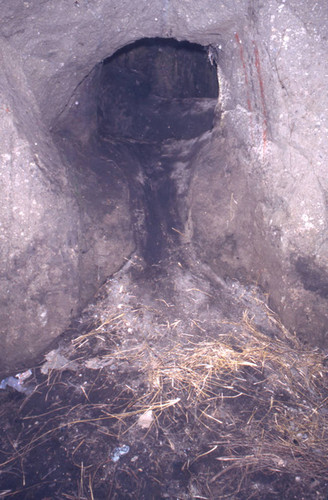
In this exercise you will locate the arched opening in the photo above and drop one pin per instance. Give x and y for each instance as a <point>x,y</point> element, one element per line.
<point>147,89</point>
<point>177,361</point>
<point>156,98</point>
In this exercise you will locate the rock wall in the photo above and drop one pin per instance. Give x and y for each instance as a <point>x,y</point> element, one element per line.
<point>257,204</point>
<point>267,216</point>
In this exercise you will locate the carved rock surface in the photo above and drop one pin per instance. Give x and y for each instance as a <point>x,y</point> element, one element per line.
<point>253,203</point>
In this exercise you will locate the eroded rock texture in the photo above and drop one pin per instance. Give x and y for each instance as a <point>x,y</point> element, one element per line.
<point>248,192</point>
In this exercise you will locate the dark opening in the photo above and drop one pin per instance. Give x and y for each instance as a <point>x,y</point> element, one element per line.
<point>155,96</point>
<point>147,89</point>
<point>173,383</point>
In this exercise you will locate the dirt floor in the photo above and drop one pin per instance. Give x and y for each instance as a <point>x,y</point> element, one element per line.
<point>174,384</point>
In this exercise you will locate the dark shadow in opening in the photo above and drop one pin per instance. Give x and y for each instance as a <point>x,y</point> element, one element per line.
<point>153,94</point>
<point>157,89</point>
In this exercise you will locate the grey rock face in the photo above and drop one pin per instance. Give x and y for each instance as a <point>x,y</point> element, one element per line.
<point>270,203</point>
<point>255,204</point>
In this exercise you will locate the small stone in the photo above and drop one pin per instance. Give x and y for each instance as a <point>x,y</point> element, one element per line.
<point>146,419</point>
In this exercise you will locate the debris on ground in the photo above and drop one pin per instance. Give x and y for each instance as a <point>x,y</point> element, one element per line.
<point>182,387</point>
<point>56,361</point>
<point>17,382</point>
<point>119,452</point>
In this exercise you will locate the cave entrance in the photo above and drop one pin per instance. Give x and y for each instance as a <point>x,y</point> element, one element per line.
<point>157,97</point>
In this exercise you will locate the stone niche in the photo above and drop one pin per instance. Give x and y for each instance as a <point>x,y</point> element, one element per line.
<point>90,88</point>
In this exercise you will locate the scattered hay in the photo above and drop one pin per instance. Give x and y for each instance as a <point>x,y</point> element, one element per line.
<point>236,407</point>
<point>278,421</point>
